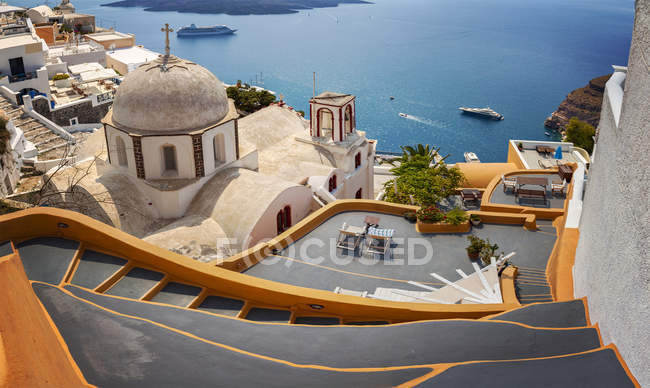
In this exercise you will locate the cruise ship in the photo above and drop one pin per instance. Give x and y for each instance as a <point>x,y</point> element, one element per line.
<point>487,112</point>
<point>193,30</point>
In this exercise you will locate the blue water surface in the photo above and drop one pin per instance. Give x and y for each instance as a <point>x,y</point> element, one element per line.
<point>520,57</point>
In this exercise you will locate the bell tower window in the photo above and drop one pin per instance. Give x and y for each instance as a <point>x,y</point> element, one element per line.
<point>348,119</point>
<point>325,123</point>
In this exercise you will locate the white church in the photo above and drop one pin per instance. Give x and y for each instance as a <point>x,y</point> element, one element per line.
<point>176,148</point>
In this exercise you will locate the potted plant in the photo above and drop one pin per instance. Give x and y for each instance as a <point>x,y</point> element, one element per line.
<point>488,251</point>
<point>475,219</point>
<point>481,248</point>
<point>474,247</point>
<point>410,216</point>
<point>520,145</point>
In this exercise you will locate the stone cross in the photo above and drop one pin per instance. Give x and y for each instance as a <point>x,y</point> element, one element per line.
<point>166,30</point>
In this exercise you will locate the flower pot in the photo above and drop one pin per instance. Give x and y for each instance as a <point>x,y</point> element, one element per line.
<point>472,255</point>
<point>475,222</point>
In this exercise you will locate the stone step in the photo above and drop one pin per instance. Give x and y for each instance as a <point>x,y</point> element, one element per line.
<point>36,133</point>
<point>56,152</point>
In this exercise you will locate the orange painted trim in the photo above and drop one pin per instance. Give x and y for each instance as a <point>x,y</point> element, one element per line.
<point>114,278</point>
<point>72,268</point>
<point>44,222</point>
<point>442,227</point>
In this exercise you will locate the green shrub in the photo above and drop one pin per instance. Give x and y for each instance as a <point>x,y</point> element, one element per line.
<point>581,134</point>
<point>60,76</point>
<point>456,216</point>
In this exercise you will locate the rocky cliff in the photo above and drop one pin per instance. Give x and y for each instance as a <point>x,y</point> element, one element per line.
<point>583,103</point>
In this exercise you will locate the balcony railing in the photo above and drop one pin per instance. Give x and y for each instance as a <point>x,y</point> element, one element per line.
<point>23,77</point>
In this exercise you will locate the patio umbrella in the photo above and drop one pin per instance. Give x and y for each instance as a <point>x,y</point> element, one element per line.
<point>558,152</point>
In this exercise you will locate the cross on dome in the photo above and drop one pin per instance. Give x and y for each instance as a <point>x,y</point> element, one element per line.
<point>167,30</point>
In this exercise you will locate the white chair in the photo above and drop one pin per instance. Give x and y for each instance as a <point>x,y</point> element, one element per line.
<point>350,237</point>
<point>379,241</point>
<point>508,183</point>
<point>558,188</point>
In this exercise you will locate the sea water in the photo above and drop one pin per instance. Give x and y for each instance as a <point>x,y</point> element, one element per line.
<point>520,57</point>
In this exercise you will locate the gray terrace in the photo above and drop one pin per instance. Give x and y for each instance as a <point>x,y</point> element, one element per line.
<point>313,261</point>
<point>508,198</point>
<point>535,160</point>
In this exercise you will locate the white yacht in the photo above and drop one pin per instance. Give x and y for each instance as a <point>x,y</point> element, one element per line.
<point>471,157</point>
<point>485,112</point>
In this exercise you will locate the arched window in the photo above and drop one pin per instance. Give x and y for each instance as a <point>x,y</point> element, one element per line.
<point>219,150</point>
<point>169,159</point>
<point>332,183</point>
<point>348,119</point>
<point>279,219</point>
<point>287,217</point>
<point>325,123</point>
<point>357,160</point>
<point>122,160</point>
<point>283,219</point>
<point>358,194</point>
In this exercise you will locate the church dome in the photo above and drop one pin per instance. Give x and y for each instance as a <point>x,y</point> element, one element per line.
<point>169,95</point>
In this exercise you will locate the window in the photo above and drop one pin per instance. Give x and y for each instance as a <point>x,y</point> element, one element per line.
<point>219,150</point>
<point>358,194</point>
<point>169,159</point>
<point>283,219</point>
<point>348,119</point>
<point>121,152</point>
<point>325,123</point>
<point>357,160</point>
<point>74,121</point>
<point>332,183</point>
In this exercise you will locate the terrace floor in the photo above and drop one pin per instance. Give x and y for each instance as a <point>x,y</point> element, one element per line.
<point>508,198</point>
<point>313,261</point>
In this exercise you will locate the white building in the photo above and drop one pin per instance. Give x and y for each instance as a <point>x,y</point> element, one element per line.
<point>23,59</point>
<point>174,136</point>
<point>125,60</point>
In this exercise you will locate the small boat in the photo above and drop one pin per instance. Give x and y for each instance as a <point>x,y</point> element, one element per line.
<point>193,30</point>
<point>484,112</point>
<point>471,157</point>
<point>547,134</point>
<point>392,98</point>
<point>403,115</point>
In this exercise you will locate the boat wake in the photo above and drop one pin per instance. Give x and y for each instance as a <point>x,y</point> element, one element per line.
<point>431,123</point>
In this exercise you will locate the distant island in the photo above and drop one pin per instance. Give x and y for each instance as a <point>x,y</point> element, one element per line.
<point>230,7</point>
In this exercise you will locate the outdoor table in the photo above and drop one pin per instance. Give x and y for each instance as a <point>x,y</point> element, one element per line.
<point>565,172</point>
<point>525,180</point>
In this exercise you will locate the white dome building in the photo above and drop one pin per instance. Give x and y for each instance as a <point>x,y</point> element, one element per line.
<point>171,125</point>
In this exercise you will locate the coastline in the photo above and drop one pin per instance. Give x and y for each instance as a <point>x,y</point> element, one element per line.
<point>238,8</point>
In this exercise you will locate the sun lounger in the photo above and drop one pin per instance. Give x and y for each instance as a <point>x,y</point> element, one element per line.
<point>545,164</point>
<point>343,291</point>
<point>350,237</point>
<point>379,241</point>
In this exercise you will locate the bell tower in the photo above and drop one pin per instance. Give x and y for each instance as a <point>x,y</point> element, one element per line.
<point>332,116</point>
